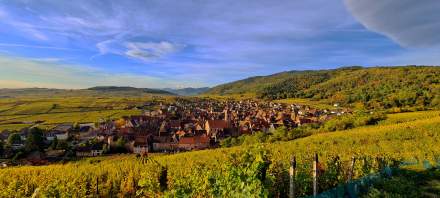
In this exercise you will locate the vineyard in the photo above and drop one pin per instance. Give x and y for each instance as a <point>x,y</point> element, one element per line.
<point>246,171</point>
<point>18,113</point>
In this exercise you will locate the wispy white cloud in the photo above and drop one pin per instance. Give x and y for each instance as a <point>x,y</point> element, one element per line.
<point>26,28</point>
<point>147,51</point>
<point>109,25</point>
<point>34,46</point>
<point>409,23</point>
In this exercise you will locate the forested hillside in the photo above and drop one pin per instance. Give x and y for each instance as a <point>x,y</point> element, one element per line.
<point>377,87</point>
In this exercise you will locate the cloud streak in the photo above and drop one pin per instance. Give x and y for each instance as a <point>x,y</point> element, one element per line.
<point>216,27</point>
<point>147,51</point>
<point>411,24</point>
<point>34,46</point>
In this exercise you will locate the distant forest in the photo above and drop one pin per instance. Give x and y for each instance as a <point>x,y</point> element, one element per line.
<point>376,87</point>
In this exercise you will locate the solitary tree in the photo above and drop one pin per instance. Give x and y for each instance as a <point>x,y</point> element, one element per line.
<point>35,140</point>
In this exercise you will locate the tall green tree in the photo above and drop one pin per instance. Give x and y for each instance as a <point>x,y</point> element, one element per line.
<point>35,140</point>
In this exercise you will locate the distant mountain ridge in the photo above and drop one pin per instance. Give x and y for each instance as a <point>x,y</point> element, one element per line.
<point>106,90</point>
<point>93,91</point>
<point>401,86</point>
<point>189,91</point>
<point>129,89</point>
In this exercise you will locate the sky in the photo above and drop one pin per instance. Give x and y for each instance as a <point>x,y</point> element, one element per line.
<point>197,43</point>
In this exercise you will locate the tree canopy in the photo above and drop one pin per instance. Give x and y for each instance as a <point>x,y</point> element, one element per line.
<point>376,87</point>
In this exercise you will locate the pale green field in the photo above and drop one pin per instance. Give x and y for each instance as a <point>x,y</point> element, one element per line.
<point>90,116</point>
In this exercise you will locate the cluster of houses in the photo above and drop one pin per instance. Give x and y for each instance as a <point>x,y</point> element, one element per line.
<point>186,124</point>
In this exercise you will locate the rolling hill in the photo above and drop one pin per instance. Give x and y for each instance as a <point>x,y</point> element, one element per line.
<point>374,87</point>
<point>115,89</point>
<point>189,91</point>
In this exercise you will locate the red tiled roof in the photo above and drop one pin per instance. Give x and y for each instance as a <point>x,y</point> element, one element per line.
<point>140,141</point>
<point>218,124</point>
<point>194,140</point>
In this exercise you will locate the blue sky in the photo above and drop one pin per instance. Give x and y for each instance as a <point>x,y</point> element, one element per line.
<point>195,43</point>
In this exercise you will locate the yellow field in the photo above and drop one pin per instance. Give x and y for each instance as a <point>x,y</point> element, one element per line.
<point>410,116</point>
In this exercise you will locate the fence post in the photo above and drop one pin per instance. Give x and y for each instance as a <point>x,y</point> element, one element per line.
<point>36,193</point>
<point>163,180</point>
<point>350,174</point>
<point>97,186</point>
<point>292,173</point>
<point>348,190</point>
<point>315,176</point>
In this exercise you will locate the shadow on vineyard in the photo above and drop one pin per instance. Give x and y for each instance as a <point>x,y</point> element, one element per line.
<point>254,173</point>
<point>407,183</point>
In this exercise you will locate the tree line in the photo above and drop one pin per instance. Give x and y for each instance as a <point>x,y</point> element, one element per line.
<point>371,88</point>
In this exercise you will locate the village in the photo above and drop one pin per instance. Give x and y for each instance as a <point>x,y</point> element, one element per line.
<point>183,125</point>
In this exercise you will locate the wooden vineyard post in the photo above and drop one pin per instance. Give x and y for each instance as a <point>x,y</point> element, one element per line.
<point>292,173</point>
<point>97,186</point>
<point>163,181</point>
<point>315,175</point>
<point>350,174</point>
<point>36,193</point>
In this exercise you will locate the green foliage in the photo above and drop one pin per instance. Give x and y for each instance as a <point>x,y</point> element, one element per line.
<point>62,145</point>
<point>54,143</point>
<point>407,183</point>
<point>250,85</point>
<point>295,86</point>
<point>339,123</point>
<point>14,138</point>
<point>34,140</point>
<point>120,145</point>
<point>105,148</point>
<point>244,175</point>
<point>378,87</point>
<point>17,156</point>
<point>279,134</point>
<point>352,120</point>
